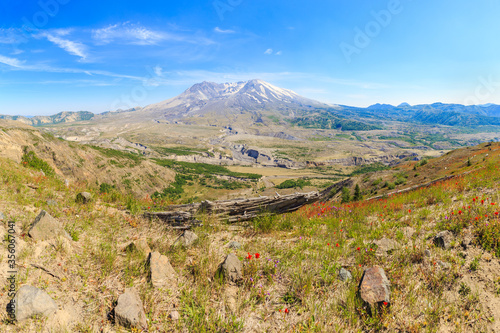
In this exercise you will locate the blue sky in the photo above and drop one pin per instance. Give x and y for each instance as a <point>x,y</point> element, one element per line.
<point>71,55</point>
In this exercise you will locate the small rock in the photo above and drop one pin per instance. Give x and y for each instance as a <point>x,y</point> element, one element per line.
<point>129,310</point>
<point>31,301</point>
<point>83,197</point>
<point>427,253</point>
<point>162,274</point>
<point>386,245</point>
<point>2,217</point>
<point>186,239</point>
<point>375,286</point>
<point>443,239</point>
<point>139,245</point>
<point>66,183</point>
<point>45,227</point>
<point>174,316</point>
<point>344,275</point>
<point>230,268</point>
<point>234,245</point>
<point>51,202</point>
<point>487,257</point>
<point>445,265</point>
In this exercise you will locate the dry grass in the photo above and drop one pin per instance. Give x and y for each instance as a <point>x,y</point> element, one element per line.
<point>296,270</point>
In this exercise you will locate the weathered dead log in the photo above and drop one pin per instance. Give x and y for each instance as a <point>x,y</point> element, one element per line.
<point>245,209</point>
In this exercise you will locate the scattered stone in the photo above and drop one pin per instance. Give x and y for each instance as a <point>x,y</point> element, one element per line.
<point>234,245</point>
<point>2,216</point>
<point>344,275</point>
<point>230,268</point>
<point>443,239</point>
<point>129,310</point>
<point>174,316</point>
<point>45,227</point>
<point>162,274</point>
<point>139,245</point>
<point>386,245</point>
<point>51,202</point>
<point>445,265</point>
<point>83,197</point>
<point>186,239</point>
<point>375,286</point>
<point>31,301</point>
<point>427,253</point>
<point>66,183</point>
<point>487,257</point>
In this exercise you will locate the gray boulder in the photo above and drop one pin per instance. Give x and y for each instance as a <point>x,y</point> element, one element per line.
<point>230,269</point>
<point>2,216</point>
<point>186,239</point>
<point>386,245</point>
<point>374,287</point>
<point>129,310</point>
<point>234,245</point>
<point>83,197</point>
<point>161,274</point>
<point>45,227</point>
<point>344,275</point>
<point>31,301</point>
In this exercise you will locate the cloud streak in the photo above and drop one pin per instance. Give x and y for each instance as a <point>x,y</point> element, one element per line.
<point>13,62</point>
<point>133,34</point>
<point>74,48</point>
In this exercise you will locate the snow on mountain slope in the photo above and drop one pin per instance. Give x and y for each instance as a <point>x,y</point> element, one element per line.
<point>210,97</point>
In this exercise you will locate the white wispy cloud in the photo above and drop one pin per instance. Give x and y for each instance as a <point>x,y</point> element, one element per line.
<point>125,32</point>
<point>269,51</point>
<point>222,31</point>
<point>75,48</point>
<point>279,53</point>
<point>11,61</point>
<point>134,34</point>
<point>158,71</point>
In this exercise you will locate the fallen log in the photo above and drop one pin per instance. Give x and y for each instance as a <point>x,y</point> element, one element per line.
<point>245,209</point>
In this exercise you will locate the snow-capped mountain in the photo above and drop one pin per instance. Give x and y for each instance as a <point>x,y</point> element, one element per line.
<point>224,98</point>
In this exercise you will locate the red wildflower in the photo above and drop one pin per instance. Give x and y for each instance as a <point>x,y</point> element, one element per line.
<point>337,245</point>
<point>257,255</point>
<point>409,210</point>
<point>328,244</point>
<point>286,310</point>
<point>249,256</point>
<point>385,303</point>
<point>358,248</point>
<point>459,212</point>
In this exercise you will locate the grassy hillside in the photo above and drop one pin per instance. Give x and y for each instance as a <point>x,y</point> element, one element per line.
<point>292,285</point>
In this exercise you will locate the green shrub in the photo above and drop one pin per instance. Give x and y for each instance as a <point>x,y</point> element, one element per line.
<point>292,183</point>
<point>29,159</point>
